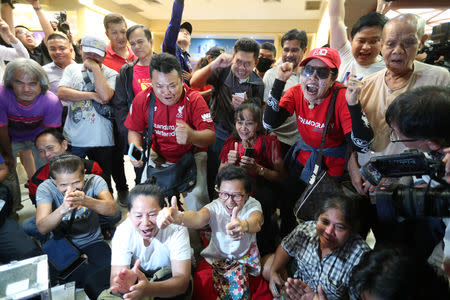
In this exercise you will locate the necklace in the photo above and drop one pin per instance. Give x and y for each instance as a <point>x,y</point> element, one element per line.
<point>311,106</point>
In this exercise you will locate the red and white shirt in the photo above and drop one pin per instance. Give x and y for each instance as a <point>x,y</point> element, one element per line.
<point>191,108</point>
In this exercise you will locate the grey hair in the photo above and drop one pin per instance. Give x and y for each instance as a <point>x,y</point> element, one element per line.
<point>27,66</point>
<point>412,19</point>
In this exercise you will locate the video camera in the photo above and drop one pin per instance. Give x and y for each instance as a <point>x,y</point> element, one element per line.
<point>394,200</point>
<point>439,46</point>
<point>63,26</point>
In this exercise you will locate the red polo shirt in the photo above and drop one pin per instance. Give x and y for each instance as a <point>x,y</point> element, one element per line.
<point>115,61</point>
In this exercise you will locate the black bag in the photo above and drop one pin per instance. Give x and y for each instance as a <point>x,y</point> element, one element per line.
<point>104,110</point>
<point>62,254</point>
<point>176,178</point>
<point>321,185</point>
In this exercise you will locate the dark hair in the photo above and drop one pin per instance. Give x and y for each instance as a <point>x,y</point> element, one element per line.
<point>150,190</point>
<point>113,19</point>
<point>203,62</point>
<point>372,19</point>
<point>52,131</point>
<point>58,36</point>
<point>22,26</point>
<point>164,63</point>
<point>422,112</point>
<point>348,207</point>
<point>295,34</point>
<point>67,164</point>
<point>252,105</point>
<point>389,275</point>
<point>232,172</point>
<point>247,45</point>
<point>270,47</point>
<point>147,32</point>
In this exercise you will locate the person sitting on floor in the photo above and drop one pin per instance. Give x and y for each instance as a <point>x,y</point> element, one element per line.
<point>231,268</point>
<point>320,253</point>
<point>140,250</point>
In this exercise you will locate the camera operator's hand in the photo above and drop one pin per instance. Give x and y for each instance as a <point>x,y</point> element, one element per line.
<point>447,168</point>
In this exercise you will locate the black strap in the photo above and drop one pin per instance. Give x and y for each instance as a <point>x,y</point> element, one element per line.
<point>151,116</point>
<point>72,218</point>
<point>87,80</point>
<point>330,114</point>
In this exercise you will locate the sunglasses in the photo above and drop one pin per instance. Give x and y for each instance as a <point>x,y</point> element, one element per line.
<point>322,72</point>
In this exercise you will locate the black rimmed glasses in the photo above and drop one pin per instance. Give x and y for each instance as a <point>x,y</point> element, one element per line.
<point>322,72</point>
<point>393,137</point>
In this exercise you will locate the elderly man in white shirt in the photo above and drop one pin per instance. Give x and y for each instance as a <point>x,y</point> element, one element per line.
<point>6,53</point>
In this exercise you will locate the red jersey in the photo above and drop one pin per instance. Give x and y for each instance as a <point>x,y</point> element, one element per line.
<point>115,61</point>
<point>141,78</point>
<point>191,108</point>
<point>311,122</point>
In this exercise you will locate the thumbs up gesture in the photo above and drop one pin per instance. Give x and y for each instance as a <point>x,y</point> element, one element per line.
<point>233,155</point>
<point>236,228</point>
<point>169,215</point>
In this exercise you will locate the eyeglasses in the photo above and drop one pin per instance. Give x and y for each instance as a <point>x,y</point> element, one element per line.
<point>322,72</point>
<point>237,197</point>
<point>394,138</point>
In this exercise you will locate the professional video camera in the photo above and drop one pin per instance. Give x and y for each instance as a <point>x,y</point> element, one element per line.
<point>438,46</point>
<point>63,26</point>
<point>394,200</point>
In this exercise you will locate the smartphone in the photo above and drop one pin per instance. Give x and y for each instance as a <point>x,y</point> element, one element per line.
<point>242,95</point>
<point>249,152</point>
<point>134,152</point>
<point>275,289</point>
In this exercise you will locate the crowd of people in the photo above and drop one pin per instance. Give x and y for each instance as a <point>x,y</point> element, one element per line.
<point>222,152</point>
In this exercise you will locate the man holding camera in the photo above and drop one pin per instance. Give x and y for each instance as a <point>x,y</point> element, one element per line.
<point>420,120</point>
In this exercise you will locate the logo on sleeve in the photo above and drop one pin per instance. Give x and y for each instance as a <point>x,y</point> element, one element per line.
<point>207,118</point>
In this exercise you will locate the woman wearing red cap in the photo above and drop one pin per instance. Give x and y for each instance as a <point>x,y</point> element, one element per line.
<point>310,101</point>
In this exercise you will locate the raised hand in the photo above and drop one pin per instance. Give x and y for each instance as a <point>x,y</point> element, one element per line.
<point>285,71</point>
<point>183,132</point>
<point>125,279</point>
<point>186,75</point>
<point>223,61</point>
<point>67,205</point>
<point>142,288</point>
<point>233,155</point>
<point>248,163</point>
<point>4,28</point>
<point>169,215</point>
<point>235,228</point>
<point>353,90</point>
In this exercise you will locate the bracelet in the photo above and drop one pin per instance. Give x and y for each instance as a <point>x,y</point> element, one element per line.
<point>248,226</point>
<point>182,218</point>
<point>37,8</point>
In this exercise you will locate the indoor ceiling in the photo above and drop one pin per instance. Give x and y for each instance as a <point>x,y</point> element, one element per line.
<point>230,9</point>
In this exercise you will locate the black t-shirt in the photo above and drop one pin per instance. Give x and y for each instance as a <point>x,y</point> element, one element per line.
<point>40,54</point>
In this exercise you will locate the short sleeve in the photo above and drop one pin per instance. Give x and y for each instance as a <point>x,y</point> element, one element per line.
<point>44,193</point>
<point>200,116</point>
<point>229,145</point>
<point>288,99</point>
<point>99,185</point>
<point>250,206</point>
<point>67,77</point>
<point>53,111</point>
<point>121,252</point>
<point>3,106</point>
<point>110,76</point>
<point>296,239</point>
<point>137,119</point>
<point>273,149</point>
<point>179,246</point>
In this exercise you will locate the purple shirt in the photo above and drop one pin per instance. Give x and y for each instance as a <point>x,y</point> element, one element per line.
<point>26,122</point>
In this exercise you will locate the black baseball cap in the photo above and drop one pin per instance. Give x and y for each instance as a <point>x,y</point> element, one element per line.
<point>187,26</point>
<point>215,51</point>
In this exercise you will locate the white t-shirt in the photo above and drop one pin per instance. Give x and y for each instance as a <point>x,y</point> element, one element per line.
<point>349,64</point>
<point>171,243</point>
<point>221,244</point>
<point>84,127</point>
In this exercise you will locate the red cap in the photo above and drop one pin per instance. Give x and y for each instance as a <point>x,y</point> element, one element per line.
<point>329,56</point>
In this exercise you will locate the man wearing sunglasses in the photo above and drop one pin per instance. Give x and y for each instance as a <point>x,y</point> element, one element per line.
<point>310,101</point>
